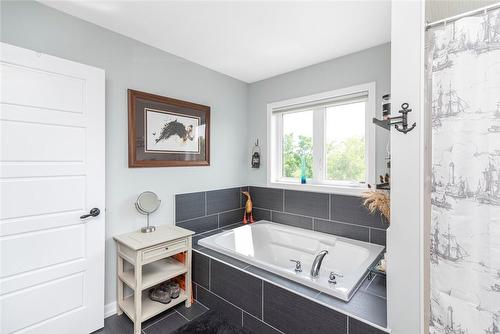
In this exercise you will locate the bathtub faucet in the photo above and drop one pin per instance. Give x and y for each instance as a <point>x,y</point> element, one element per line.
<point>317,263</point>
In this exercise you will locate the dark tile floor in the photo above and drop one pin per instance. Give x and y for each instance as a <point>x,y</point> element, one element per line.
<point>163,323</point>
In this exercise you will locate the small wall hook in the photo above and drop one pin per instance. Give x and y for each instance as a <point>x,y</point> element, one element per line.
<point>403,120</point>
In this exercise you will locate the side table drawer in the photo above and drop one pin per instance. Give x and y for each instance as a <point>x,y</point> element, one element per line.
<point>159,251</point>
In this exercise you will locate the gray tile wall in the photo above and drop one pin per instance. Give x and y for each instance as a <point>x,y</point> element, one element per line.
<point>208,210</point>
<point>328,213</point>
<point>262,307</point>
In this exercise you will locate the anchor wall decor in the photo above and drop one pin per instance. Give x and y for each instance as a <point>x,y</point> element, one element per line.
<point>403,120</point>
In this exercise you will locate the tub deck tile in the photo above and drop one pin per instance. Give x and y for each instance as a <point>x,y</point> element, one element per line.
<point>362,305</point>
<point>281,281</point>
<point>202,235</point>
<point>224,258</point>
<point>377,286</point>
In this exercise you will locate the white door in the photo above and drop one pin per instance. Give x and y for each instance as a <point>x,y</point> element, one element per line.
<point>51,173</point>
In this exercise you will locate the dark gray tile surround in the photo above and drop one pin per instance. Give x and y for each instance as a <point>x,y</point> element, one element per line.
<point>189,206</point>
<point>292,220</point>
<point>294,314</point>
<point>349,209</point>
<point>247,295</point>
<point>263,302</point>
<point>267,198</point>
<point>345,230</point>
<point>227,282</point>
<point>261,214</point>
<point>307,203</point>
<point>328,213</point>
<point>223,200</point>
<point>209,210</point>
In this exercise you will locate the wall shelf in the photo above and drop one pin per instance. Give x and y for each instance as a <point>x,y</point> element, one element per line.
<point>382,123</point>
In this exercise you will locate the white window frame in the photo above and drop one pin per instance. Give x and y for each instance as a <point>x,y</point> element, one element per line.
<point>319,183</point>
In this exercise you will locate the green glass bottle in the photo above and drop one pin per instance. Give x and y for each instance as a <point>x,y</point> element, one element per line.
<point>302,170</point>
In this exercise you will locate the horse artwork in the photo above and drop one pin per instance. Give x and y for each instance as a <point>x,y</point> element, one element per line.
<point>166,132</point>
<point>170,132</point>
<point>175,128</point>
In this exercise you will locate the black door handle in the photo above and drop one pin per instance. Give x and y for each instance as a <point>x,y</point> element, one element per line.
<point>93,213</point>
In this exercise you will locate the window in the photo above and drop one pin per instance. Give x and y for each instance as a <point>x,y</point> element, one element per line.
<point>345,142</point>
<point>326,138</point>
<point>297,143</point>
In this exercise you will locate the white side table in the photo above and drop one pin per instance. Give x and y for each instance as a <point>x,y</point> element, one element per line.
<point>151,257</point>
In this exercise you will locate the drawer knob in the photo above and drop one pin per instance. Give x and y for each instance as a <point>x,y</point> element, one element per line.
<point>166,248</point>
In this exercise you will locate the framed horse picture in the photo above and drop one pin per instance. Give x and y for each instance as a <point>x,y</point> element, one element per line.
<point>165,132</point>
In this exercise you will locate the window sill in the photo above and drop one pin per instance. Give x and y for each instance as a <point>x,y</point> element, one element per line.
<point>321,188</point>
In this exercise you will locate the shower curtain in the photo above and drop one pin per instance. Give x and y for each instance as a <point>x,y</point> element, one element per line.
<point>463,95</point>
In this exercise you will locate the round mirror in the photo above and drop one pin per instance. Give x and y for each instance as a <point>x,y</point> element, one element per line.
<point>147,202</point>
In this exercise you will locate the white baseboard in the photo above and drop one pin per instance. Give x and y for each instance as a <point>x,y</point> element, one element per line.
<point>109,309</point>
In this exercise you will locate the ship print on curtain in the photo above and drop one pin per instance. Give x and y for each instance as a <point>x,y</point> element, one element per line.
<point>463,94</point>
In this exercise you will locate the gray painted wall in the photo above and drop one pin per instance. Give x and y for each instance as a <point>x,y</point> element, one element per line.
<point>373,64</point>
<point>130,64</point>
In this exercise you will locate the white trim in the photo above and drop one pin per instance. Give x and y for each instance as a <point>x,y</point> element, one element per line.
<point>322,96</point>
<point>319,163</point>
<point>321,188</point>
<point>319,183</point>
<point>109,309</point>
<point>370,141</point>
<point>408,235</point>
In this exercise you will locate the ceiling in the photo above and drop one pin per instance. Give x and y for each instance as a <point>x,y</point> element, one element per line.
<point>250,40</point>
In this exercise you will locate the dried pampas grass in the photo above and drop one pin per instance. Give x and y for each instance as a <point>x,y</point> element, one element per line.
<point>378,200</point>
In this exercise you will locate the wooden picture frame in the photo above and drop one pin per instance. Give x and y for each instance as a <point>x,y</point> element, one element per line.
<point>166,132</point>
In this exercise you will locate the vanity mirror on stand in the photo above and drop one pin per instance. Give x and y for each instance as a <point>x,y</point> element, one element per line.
<point>147,203</point>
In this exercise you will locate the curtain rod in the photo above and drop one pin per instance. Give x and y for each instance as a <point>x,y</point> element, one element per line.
<point>459,16</point>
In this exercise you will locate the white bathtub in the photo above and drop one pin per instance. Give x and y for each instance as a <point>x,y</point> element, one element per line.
<point>271,246</point>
